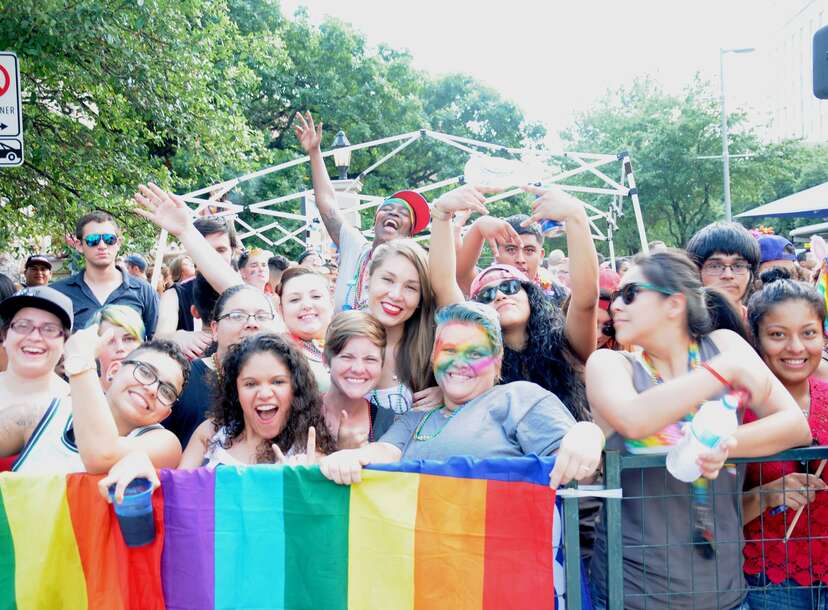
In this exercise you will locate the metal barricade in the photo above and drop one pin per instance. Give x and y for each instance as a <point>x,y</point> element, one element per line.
<point>614,465</point>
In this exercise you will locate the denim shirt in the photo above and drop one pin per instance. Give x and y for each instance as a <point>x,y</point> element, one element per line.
<point>133,291</point>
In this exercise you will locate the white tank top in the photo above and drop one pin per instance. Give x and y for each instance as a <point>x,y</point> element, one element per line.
<point>217,455</point>
<point>51,449</point>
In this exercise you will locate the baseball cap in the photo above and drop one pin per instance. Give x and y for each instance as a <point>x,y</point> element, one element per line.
<point>137,260</point>
<point>39,297</point>
<point>38,259</point>
<point>775,248</point>
<point>507,272</point>
<point>417,205</point>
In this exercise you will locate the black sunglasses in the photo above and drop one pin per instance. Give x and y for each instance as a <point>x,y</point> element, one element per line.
<point>608,329</point>
<point>93,239</point>
<point>631,290</point>
<point>507,287</point>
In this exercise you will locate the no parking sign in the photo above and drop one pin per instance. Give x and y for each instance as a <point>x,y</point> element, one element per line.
<point>11,121</point>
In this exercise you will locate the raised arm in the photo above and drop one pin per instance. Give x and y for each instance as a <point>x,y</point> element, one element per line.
<point>310,137</point>
<point>442,267</point>
<point>495,231</point>
<point>99,441</point>
<point>581,318</point>
<point>169,212</point>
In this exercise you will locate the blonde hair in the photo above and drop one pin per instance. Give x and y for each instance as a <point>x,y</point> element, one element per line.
<point>121,316</point>
<point>349,324</point>
<point>413,365</point>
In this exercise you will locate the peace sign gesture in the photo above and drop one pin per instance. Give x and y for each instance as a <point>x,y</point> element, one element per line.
<point>306,459</point>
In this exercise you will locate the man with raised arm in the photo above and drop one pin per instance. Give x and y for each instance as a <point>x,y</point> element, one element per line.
<point>403,214</point>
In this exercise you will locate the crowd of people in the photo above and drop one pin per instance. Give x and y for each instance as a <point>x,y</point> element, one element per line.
<point>398,353</point>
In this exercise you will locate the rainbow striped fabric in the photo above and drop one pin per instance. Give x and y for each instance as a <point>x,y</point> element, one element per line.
<point>822,287</point>
<point>458,535</point>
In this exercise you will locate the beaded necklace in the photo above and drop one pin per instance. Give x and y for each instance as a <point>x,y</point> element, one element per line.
<point>428,437</point>
<point>357,283</point>
<point>217,366</point>
<point>313,348</point>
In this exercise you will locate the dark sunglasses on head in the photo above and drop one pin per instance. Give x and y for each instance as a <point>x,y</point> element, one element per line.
<point>507,287</point>
<point>93,239</point>
<point>631,290</point>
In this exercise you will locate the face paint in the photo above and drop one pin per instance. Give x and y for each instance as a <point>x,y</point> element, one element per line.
<point>476,355</point>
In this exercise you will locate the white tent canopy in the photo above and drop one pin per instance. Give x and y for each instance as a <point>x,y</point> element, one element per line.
<point>810,202</point>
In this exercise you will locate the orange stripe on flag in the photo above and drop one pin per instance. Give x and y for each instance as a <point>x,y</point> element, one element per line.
<point>95,533</point>
<point>449,543</point>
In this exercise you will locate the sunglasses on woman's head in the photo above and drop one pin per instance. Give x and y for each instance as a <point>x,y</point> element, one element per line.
<point>631,290</point>
<point>489,294</point>
<point>93,239</point>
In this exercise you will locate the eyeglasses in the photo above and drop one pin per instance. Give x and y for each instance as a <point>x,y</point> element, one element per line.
<point>489,294</point>
<point>242,317</point>
<point>47,331</point>
<point>146,375</point>
<point>93,239</point>
<point>717,268</point>
<point>631,290</point>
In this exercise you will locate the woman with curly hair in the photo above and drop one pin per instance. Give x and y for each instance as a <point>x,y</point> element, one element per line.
<point>536,347</point>
<point>267,404</point>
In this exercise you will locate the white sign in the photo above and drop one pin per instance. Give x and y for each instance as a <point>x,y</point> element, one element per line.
<point>11,120</point>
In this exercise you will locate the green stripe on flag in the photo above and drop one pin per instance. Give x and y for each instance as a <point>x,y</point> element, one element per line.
<point>8,597</point>
<point>316,540</point>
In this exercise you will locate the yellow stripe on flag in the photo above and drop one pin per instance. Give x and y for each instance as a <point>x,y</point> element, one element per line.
<point>383,512</point>
<point>48,570</point>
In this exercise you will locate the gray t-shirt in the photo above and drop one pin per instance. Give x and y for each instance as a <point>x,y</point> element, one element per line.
<point>354,251</point>
<point>509,420</point>
<point>661,565</point>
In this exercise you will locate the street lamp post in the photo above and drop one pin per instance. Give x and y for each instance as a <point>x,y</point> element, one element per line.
<point>342,158</point>
<point>725,148</point>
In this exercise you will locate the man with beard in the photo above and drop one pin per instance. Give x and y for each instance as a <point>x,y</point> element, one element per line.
<point>402,215</point>
<point>102,282</point>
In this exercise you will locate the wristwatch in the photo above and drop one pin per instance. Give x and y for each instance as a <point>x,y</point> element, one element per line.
<point>76,365</point>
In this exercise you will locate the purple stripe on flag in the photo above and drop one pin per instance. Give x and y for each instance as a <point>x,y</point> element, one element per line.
<point>188,561</point>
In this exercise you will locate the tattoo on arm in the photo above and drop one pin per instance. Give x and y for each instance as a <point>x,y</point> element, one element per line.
<point>333,222</point>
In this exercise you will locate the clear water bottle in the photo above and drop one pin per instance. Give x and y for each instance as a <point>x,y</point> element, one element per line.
<point>713,424</point>
<point>482,170</point>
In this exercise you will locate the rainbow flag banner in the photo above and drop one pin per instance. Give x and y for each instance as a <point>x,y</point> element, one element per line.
<point>459,535</point>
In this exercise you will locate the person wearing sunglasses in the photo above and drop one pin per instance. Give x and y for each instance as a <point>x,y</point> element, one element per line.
<point>94,429</point>
<point>642,399</point>
<point>101,282</point>
<point>539,343</point>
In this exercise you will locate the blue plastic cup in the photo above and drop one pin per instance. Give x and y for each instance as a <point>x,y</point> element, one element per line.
<point>135,514</point>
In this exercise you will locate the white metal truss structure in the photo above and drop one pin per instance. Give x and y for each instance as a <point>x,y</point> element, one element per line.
<point>289,226</point>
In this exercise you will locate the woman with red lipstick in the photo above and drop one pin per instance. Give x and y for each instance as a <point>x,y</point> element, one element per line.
<point>787,319</point>
<point>307,307</point>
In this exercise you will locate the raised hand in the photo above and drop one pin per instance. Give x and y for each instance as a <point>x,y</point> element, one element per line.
<point>166,210</point>
<point>495,231</point>
<point>306,459</point>
<point>351,436</point>
<point>86,343</point>
<point>552,204</point>
<point>462,199</point>
<point>308,134</point>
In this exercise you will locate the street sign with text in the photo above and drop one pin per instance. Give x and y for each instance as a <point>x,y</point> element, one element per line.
<point>11,119</point>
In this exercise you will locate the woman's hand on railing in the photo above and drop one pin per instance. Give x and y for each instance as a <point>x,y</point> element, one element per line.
<point>579,454</point>
<point>793,491</point>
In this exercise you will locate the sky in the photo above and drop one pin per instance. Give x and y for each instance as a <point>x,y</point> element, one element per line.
<point>556,58</point>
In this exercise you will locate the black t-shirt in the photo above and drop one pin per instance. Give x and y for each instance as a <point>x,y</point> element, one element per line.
<point>191,407</point>
<point>185,300</point>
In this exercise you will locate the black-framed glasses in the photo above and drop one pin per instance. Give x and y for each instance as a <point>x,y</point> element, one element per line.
<point>145,374</point>
<point>93,239</point>
<point>242,317</point>
<point>717,268</point>
<point>47,331</point>
<point>631,290</point>
<point>489,294</point>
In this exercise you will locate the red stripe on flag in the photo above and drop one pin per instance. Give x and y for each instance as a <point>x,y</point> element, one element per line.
<point>518,569</point>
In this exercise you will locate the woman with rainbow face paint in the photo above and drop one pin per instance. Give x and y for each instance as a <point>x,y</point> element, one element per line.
<point>478,418</point>
<point>679,536</point>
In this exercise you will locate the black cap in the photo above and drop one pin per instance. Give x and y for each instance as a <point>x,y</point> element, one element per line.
<point>40,259</point>
<point>39,297</point>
